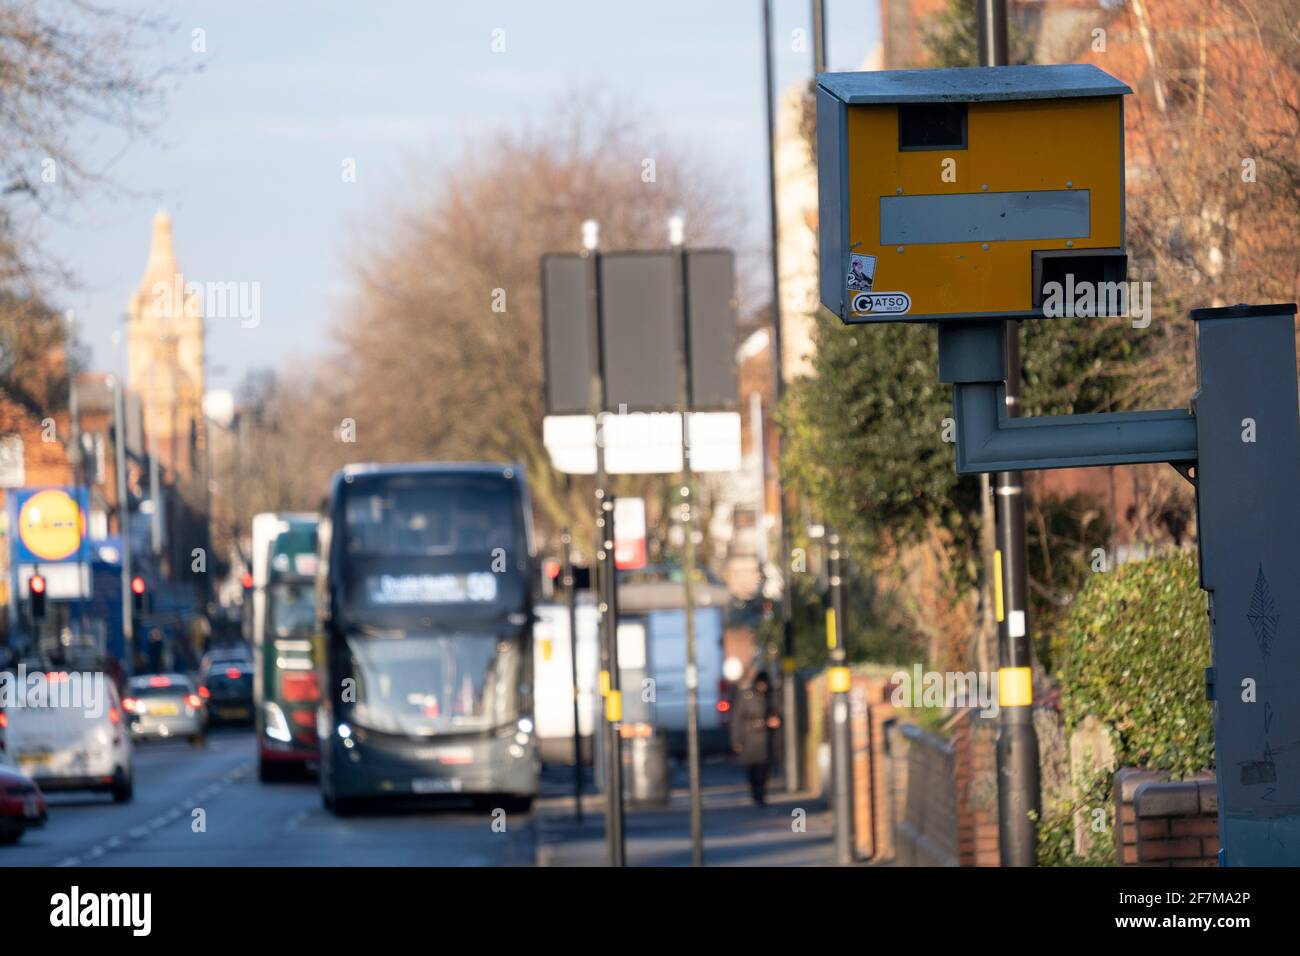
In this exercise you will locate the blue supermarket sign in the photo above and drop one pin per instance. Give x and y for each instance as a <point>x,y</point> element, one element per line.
<point>47,525</point>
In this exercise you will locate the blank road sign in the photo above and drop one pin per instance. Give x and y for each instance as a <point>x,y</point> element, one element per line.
<point>641,319</point>
<point>644,301</point>
<point>569,322</point>
<point>711,298</point>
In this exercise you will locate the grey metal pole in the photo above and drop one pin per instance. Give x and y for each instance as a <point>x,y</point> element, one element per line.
<point>790,723</point>
<point>124,526</point>
<point>77,460</point>
<point>841,728</point>
<point>155,523</point>
<point>614,700</point>
<point>991,21</point>
<point>1017,746</point>
<point>566,570</point>
<point>688,574</point>
<point>612,719</point>
<point>819,35</point>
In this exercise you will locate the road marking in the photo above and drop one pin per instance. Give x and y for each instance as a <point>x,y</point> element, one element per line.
<point>157,823</point>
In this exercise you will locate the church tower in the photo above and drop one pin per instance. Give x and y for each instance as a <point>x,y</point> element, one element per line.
<point>165,358</point>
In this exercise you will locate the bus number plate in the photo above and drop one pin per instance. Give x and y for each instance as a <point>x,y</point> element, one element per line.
<point>435,785</point>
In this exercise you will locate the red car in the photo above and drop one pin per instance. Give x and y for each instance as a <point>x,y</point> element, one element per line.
<point>22,804</point>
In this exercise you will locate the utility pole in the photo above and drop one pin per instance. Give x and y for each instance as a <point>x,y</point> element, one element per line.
<point>612,722</point>
<point>566,575</point>
<point>841,729</point>
<point>819,36</point>
<point>155,493</point>
<point>124,526</point>
<point>675,232</point>
<point>790,723</point>
<point>614,699</point>
<point>77,459</point>
<point>1017,747</point>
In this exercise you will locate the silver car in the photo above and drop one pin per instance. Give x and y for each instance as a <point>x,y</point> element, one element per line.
<point>166,706</point>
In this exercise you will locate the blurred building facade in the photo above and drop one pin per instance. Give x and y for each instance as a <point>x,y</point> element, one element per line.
<point>165,356</point>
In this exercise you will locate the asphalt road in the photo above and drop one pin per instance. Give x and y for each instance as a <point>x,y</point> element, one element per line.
<point>248,823</point>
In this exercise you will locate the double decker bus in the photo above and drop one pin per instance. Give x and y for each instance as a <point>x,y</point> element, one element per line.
<point>286,689</point>
<point>425,632</point>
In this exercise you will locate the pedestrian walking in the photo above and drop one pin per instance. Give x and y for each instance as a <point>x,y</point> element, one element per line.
<point>753,723</point>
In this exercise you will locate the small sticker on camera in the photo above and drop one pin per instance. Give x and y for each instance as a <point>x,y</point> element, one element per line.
<point>881,303</point>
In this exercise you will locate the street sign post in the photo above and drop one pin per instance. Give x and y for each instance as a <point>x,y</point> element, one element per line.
<point>1248,516</point>
<point>654,333</point>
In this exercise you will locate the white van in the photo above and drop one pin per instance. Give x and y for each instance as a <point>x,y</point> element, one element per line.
<point>69,732</point>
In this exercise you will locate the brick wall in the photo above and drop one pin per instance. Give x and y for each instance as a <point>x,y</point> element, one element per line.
<point>1178,823</point>
<point>975,777</point>
<point>871,712</point>
<point>1159,822</point>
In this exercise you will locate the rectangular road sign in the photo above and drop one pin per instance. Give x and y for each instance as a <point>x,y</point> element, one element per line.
<point>643,301</point>
<point>569,333</point>
<point>640,312</point>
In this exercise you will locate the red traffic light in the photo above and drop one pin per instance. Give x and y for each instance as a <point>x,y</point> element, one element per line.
<point>247,581</point>
<point>551,568</point>
<point>137,585</point>
<point>36,584</point>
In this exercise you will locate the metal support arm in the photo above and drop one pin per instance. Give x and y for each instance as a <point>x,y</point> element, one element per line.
<point>989,440</point>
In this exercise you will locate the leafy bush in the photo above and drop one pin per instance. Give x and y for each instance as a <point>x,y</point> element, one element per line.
<point>1133,652</point>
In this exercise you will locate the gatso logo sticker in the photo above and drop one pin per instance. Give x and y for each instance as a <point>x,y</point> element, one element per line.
<point>882,303</point>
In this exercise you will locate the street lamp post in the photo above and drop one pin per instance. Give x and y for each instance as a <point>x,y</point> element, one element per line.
<point>1017,746</point>
<point>123,524</point>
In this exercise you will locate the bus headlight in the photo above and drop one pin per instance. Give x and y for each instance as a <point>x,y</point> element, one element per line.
<point>277,728</point>
<point>345,731</point>
<point>526,725</point>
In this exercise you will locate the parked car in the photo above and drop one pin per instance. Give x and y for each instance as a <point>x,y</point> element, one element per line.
<point>22,805</point>
<point>75,739</point>
<point>164,706</point>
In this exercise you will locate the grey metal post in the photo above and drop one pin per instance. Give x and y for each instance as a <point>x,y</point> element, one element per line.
<point>78,462</point>
<point>819,36</point>
<point>841,726</point>
<point>614,701</point>
<point>1017,747</point>
<point>790,723</point>
<point>124,526</point>
<point>1248,439</point>
<point>155,492</point>
<point>611,719</point>
<point>566,577</point>
<point>688,574</point>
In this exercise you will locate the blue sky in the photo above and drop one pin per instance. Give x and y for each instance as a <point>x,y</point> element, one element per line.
<point>248,156</point>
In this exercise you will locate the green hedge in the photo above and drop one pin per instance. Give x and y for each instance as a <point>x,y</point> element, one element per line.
<point>1132,652</point>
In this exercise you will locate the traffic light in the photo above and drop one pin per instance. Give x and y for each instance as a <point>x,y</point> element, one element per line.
<point>137,594</point>
<point>36,588</point>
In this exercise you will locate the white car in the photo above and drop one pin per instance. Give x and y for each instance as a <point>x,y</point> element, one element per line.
<point>70,733</point>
